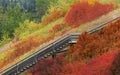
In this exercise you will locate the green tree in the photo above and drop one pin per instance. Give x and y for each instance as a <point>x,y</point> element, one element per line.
<point>11,19</point>
<point>42,8</point>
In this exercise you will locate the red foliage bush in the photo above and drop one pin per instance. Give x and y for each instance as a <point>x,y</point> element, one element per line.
<point>72,67</point>
<point>57,27</point>
<point>106,64</point>
<point>48,67</point>
<point>93,45</point>
<point>53,16</point>
<point>84,12</point>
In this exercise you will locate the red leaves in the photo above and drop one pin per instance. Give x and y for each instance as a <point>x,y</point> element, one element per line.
<point>93,45</point>
<point>72,68</point>
<point>48,67</point>
<point>104,65</point>
<point>107,64</point>
<point>84,12</point>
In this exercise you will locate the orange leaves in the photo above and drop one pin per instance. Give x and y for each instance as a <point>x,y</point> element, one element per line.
<point>29,44</point>
<point>53,16</point>
<point>57,28</point>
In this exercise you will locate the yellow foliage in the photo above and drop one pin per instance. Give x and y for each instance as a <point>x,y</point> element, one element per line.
<point>32,25</point>
<point>51,9</point>
<point>2,56</point>
<point>5,54</point>
<point>92,2</point>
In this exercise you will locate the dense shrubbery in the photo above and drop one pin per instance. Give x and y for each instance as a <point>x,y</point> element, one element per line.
<point>90,46</point>
<point>84,12</point>
<point>107,64</point>
<point>48,66</point>
<point>93,45</point>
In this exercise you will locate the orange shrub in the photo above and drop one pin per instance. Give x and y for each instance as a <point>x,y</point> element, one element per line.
<point>23,47</point>
<point>57,27</point>
<point>53,16</point>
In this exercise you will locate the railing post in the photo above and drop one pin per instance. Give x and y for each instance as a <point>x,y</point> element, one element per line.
<point>54,55</point>
<point>54,52</point>
<point>17,67</point>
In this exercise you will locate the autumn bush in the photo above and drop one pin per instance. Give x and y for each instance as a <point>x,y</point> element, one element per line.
<point>47,67</point>
<point>57,27</point>
<point>93,45</point>
<point>84,12</point>
<point>53,16</point>
<point>106,64</point>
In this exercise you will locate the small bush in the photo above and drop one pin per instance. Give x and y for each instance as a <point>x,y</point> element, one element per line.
<point>53,16</point>
<point>57,27</point>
